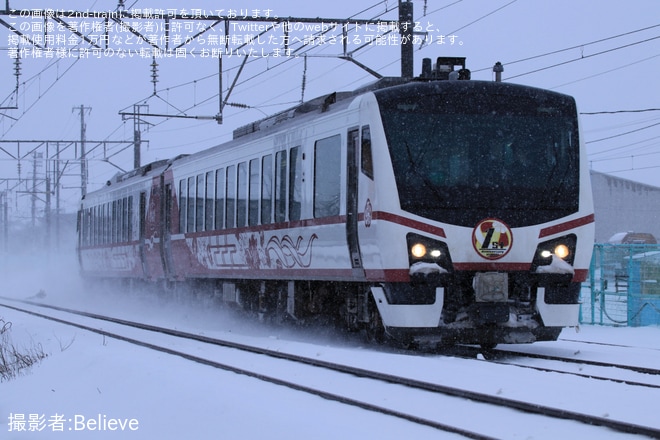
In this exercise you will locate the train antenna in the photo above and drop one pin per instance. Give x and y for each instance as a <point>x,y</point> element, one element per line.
<point>498,68</point>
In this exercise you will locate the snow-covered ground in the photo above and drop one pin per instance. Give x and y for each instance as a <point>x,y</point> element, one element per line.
<point>89,384</point>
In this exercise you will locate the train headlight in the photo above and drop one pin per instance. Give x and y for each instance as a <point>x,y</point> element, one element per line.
<point>546,254</point>
<point>422,249</point>
<point>418,250</point>
<point>562,251</point>
<point>563,247</point>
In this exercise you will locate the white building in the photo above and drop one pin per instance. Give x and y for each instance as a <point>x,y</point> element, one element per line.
<point>623,205</point>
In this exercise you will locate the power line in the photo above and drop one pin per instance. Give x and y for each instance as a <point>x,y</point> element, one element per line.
<point>508,63</point>
<point>621,111</point>
<point>626,146</point>
<point>616,69</point>
<point>622,134</point>
<point>482,17</point>
<point>583,57</point>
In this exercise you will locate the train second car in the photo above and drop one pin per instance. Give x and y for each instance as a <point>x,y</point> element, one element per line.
<point>426,210</point>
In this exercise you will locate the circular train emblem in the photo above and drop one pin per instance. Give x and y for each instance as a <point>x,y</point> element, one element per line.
<point>492,238</point>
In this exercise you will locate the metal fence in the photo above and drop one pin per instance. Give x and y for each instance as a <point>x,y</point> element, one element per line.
<point>623,287</point>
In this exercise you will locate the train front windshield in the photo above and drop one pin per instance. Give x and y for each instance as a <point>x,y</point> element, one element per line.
<point>461,156</point>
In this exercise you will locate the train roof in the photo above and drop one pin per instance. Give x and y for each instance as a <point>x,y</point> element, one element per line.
<point>319,104</point>
<point>385,87</point>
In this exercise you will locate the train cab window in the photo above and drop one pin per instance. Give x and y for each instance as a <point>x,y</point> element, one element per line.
<point>253,196</point>
<point>209,201</point>
<point>327,176</point>
<point>280,186</point>
<point>199,203</point>
<point>295,183</point>
<point>241,201</point>
<point>366,160</point>
<point>267,189</point>
<point>219,198</point>
<point>190,221</point>
<point>183,204</point>
<point>230,211</point>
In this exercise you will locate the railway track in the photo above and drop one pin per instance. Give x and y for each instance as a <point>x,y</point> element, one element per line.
<point>582,367</point>
<point>309,374</point>
<point>575,359</point>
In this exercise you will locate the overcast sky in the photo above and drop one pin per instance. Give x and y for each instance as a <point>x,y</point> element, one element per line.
<point>606,53</point>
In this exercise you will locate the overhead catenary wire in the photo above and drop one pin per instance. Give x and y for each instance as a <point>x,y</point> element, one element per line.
<point>578,46</point>
<point>583,57</point>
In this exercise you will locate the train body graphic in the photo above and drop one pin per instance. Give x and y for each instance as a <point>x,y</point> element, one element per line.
<point>451,211</point>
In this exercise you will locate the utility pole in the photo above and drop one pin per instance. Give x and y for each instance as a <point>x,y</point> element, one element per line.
<point>406,25</point>
<point>4,208</point>
<point>137,137</point>
<point>33,191</point>
<point>137,134</point>
<point>83,158</point>
<point>56,180</point>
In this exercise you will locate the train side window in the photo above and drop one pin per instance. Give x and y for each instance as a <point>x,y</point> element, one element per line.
<point>82,227</point>
<point>109,225</point>
<point>115,222</point>
<point>267,189</point>
<point>87,216</point>
<point>280,186</point>
<point>130,218</point>
<point>92,226</point>
<point>99,211</point>
<point>230,211</point>
<point>190,221</point>
<point>253,196</point>
<point>367,164</point>
<point>219,198</point>
<point>143,215</point>
<point>327,176</point>
<point>209,201</point>
<point>241,202</point>
<point>125,219</point>
<point>295,184</point>
<point>199,204</point>
<point>183,204</point>
<point>108,222</point>
<point>97,224</point>
<point>104,224</point>
<point>120,222</point>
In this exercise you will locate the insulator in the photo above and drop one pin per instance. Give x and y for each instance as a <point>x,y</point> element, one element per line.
<point>154,73</point>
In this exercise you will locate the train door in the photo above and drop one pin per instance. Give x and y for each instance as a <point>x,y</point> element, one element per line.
<point>166,233</point>
<point>352,211</point>
<point>142,209</point>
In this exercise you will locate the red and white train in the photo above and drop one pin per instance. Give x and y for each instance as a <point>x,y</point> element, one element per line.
<point>425,210</point>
